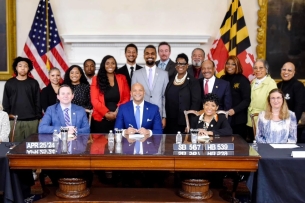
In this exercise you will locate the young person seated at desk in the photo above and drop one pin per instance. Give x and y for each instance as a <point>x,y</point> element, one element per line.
<point>276,124</point>
<point>64,113</point>
<point>209,122</point>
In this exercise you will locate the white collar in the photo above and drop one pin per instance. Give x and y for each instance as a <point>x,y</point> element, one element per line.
<point>141,104</point>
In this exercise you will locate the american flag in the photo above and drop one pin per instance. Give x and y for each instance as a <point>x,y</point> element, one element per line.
<point>43,45</point>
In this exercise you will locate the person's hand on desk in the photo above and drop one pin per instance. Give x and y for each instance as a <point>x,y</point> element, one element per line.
<point>204,132</point>
<point>72,130</point>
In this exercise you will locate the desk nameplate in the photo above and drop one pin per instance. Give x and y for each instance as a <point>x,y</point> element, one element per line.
<point>188,153</point>
<point>188,147</point>
<point>219,146</point>
<point>40,145</point>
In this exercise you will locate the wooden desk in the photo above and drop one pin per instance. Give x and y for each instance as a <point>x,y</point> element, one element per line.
<point>90,152</point>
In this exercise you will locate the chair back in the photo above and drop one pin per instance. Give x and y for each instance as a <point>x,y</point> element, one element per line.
<point>223,112</point>
<point>90,111</point>
<point>12,134</point>
<point>252,116</point>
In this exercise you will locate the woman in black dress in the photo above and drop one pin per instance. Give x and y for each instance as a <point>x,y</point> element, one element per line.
<point>241,91</point>
<point>48,95</point>
<point>108,91</point>
<point>75,78</point>
<point>182,93</point>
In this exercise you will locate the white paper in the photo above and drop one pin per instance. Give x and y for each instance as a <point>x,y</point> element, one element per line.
<point>284,146</point>
<point>298,154</point>
<point>136,136</point>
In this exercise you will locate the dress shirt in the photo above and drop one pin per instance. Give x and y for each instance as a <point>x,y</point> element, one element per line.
<point>89,79</point>
<point>153,72</point>
<point>128,68</point>
<point>165,64</point>
<point>259,81</point>
<point>63,112</point>
<point>210,83</point>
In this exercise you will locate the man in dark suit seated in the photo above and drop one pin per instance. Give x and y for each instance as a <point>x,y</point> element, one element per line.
<point>165,63</point>
<point>138,117</point>
<point>64,113</point>
<point>131,54</point>
<point>211,84</point>
<point>198,55</point>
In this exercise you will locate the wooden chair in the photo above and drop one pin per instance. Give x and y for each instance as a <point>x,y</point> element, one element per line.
<point>89,111</point>
<point>197,113</point>
<point>12,134</point>
<point>252,116</point>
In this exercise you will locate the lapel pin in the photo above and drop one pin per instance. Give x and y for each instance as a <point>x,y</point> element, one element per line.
<point>73,113</point>
<point>188,78</point>
<point>216,86</point>
<point>212,125</point>
<point>146,108</point>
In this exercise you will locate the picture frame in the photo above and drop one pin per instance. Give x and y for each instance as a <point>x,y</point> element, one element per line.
<point>7,38</point>
<point>281,35</point>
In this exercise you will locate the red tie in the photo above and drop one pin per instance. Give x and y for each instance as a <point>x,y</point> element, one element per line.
<point>206,87</point>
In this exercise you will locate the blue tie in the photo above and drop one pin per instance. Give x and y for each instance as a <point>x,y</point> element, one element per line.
<point>67,117</point>
<point>137,115</point>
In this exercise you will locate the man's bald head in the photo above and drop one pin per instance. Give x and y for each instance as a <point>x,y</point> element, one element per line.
<point>137,93</point>
<point>287,71</point>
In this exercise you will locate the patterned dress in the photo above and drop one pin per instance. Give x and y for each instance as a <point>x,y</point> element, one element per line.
<point>283,131</point>
<point>82,95</point>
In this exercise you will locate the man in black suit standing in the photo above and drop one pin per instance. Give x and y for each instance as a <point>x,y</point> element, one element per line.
<point>131,54</point>
<point>165,63</point>
<point>194,70</point>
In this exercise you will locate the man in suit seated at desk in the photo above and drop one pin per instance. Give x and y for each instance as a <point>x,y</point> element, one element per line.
<point>139,117</point>
<point>65,114</point>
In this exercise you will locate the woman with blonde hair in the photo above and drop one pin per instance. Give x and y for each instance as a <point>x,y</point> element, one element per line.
<point>4,125</point>
<point>276,124</point>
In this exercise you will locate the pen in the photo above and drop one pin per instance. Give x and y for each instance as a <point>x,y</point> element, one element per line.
<point>300,146</point>
<point>131,126</point>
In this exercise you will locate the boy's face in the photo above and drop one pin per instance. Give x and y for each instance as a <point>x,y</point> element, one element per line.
<point>22,68</point>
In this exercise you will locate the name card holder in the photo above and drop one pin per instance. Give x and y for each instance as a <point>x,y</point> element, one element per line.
<point>188,147</point>
<point>40,151</point>
<point>219,146</point>
<point>40,145</point>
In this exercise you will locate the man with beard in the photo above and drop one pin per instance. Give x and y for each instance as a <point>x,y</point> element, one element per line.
<point>165,63</point>
<point>89,68</point>
<point>197,58</point>
<point>154,81</point>
<point>131,54</point>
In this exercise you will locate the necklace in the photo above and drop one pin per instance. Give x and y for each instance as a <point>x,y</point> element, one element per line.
<point>180,81</point>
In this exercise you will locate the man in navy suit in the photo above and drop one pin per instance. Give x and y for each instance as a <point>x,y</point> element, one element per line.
<point>131,54</point>
<point>56,116</point>
<point>149,119</point>
<point>211,84</point>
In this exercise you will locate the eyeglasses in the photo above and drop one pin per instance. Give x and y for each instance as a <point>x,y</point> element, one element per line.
<point>276,98</point>
<point>230,64</point>
<point>181,64</point>
<point>289,70</point>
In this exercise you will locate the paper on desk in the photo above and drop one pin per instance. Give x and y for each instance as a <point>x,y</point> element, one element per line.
<point>298,154</point>
<point>284,146</point>
<point>136,136</point>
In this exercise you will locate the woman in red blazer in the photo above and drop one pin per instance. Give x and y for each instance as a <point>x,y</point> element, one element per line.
<point>108,92</point>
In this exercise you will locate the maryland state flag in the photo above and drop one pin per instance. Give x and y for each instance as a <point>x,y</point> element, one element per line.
<point>233,39</point>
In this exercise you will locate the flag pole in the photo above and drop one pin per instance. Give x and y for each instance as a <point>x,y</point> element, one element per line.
<point>47,35</point>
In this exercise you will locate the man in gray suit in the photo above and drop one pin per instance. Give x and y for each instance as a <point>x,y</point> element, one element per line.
<point>197,58</point>
<point>154,81</point>
<point>165,63</point>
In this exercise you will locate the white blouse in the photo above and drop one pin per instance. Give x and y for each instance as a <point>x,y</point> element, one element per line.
<point>5,127</point>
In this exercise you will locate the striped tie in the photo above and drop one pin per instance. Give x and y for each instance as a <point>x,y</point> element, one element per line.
<point>67,117</point>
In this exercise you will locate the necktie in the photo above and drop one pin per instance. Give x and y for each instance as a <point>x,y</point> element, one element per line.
<point>150,79</point>
<point>67,117</point>
<point>131,72</point>
<point>137,115</point>
<point>206,87</point>
<point>162,65</point>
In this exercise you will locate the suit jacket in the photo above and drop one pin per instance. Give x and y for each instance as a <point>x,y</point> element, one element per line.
<point>48,97</point>
<point>156,95</point>
<point>124,71</point>
<point>259,96</point>
<point>191,72</point>
<point>189,99</point>
<point>219,127</point>
<point>150,119</point>
<point>241,91</point>
<point>150,145</point>
<point>53,119</point>
<point>170,68</point>
<point>222,89</point>
<point>97,98</point>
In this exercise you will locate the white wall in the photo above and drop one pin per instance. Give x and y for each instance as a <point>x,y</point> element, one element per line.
<point>135,17</point>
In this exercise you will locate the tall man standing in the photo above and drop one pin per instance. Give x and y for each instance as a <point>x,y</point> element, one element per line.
<point>197,58</point>
<point>165,63</point>
<point>21,97</point>
<point>131,54</point>
<point>154,81</point>
<point>211,84</point>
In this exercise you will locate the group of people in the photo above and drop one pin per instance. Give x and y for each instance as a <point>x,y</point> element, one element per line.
<point>173,87</point>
